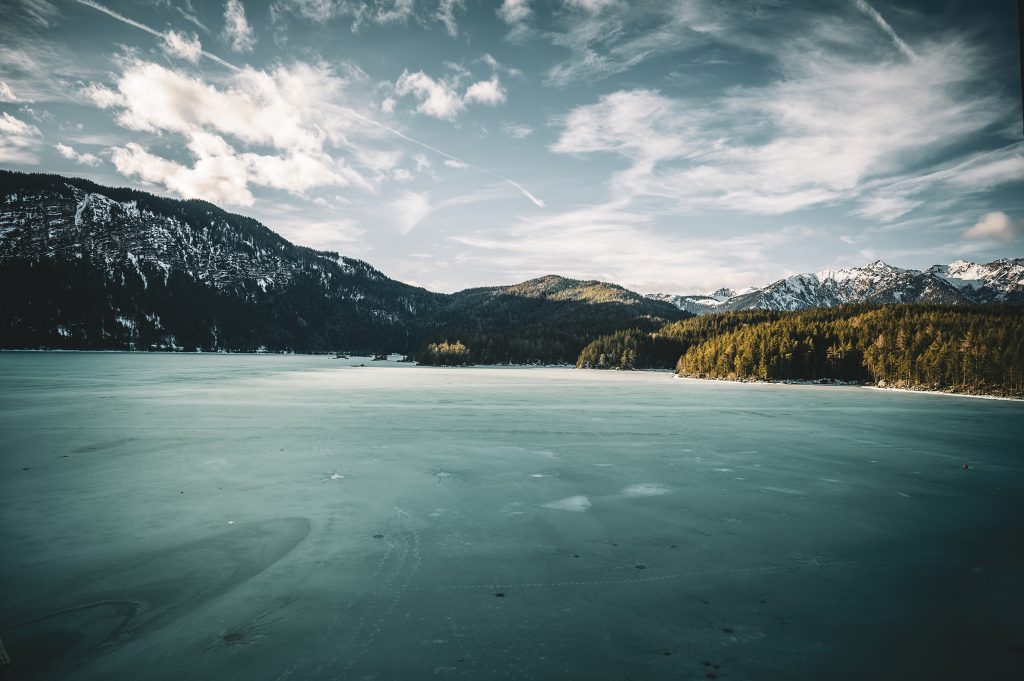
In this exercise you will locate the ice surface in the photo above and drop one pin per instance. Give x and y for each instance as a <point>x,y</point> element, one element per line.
<point>267,517</point>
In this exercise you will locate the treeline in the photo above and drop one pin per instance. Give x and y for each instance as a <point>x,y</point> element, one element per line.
<point>444,354</point>
<point>661,347</point>
<point>969,349</point>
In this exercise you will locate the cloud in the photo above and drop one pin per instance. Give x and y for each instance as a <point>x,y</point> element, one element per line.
<point>830,129</point>
<point>398,12</point>
<point>440,98</point>
<point>458,165</point>
<point>9,125</point>
<point>437,98</point>
<point>514,11</point>
<point>517,130</point>
<point>381,12</point>
<point>446,15</point>
<point>401,175</point>
<point>291,110</point>
<point>40,12</point>
<point>6,94</point>
<point>409,210</point>
<point>887,207</point>
<point>82,159</point>
<point>19,141</point>
<point>167,38</point>
<point>613,242</point>
<point>592,6</point>
<point>236,27</point>
<point>996,225</point>
<point>487,92</point>
<point>180,45</point>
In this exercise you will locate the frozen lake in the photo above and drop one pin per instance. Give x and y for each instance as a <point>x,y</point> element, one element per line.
<point>265,517</point>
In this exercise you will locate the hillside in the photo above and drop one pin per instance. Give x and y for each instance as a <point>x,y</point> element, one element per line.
<point>92,267</point>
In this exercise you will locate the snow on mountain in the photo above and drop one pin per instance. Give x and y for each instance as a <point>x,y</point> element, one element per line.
<point>959,282</point>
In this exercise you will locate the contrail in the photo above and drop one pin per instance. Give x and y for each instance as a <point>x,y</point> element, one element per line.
<point>903,47</point>
<point>355,114</point>
<point>152,31</point>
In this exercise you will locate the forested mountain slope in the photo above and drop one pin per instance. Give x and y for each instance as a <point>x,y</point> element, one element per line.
<point>965,348</point>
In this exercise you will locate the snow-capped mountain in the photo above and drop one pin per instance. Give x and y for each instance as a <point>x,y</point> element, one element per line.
<point>91,266</point>
<point>701,303</point>
<point>959,282</point>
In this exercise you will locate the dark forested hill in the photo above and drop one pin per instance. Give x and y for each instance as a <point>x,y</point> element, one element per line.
<point>549,319</point>
<point>962,348</point>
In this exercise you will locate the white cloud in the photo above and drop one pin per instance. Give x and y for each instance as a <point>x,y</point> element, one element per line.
<point>41,12</point>
<point>6,94</point>
<point>180,45</point>
<point>514,11</point>
<point>9,125</point>
<point>487,92</point>
<point>996,225</point>
<point>72,155</point>
<point>438,98</point>
<point>398,11</point>
<point>517,130</point>
<point>612,242</point>
<point>452,163</point>
<point>592,6</point>
<point>422,163</point>
<point>887,207</point>
<point>294,110</point>
<point>446,15</point>
<point>828,130</point>
<point>409,210</point>
<point>401,175</point>
<point>236,27</point>
<point>19,141</point>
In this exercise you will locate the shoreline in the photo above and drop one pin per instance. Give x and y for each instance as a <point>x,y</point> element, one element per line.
<point>852,384</point>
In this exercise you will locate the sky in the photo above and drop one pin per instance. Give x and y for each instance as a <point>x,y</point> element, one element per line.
<point>666,145</point>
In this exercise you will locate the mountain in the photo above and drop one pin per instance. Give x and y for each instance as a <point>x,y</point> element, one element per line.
<point>878,283</point>
<point>89,267</point>
<point>549,319</point>
<point>700,303</point>
<point>96,267</point>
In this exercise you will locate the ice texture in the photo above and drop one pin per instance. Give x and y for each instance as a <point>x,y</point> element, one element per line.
<point>229,517</point>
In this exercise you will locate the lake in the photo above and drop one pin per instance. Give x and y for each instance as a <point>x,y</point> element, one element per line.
<point>274,517</point>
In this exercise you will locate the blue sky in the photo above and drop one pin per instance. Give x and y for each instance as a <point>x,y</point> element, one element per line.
<point>671,146</point>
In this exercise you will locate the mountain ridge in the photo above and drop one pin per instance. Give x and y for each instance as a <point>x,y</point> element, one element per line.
<point>960,282</point>
<point>97,267</point>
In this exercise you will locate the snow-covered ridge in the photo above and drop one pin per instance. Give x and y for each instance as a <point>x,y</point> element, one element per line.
<point>877,282</point>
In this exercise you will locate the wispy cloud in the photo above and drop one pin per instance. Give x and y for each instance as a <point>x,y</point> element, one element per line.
<point>152,31</point>
<point>237,30</point>
<point>19,141</point>
<point>826,131</point>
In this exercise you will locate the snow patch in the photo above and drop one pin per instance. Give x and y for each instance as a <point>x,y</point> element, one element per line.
<point>645,489</point>
<point>575,504</point>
